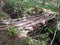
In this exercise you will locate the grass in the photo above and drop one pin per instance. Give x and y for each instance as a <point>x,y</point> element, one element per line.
<point>49,7</point>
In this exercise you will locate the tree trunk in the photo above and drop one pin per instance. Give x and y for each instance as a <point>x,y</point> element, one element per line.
<point>57,3</point>
<point>43,2</point>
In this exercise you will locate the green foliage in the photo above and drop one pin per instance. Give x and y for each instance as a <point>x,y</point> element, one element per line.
<point>47,29</point>
<point>29,41</point>
<point>25,41</point>
<point>35,9</point>
<point>13,3</point>
<point>48,6</point>
<point>12,31</point>
<point>2,15</point>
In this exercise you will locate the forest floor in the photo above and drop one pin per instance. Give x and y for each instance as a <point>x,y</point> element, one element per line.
<point>6,40</point>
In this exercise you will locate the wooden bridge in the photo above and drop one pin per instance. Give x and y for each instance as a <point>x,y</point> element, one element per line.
<point>32,22</point>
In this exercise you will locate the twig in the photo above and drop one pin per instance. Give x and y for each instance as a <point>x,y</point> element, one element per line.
<point>53,37</point>
<point>55,32</point>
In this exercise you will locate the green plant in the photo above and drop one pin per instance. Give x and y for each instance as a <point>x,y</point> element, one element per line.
<point>34,10</point>
<point>12,31</point>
